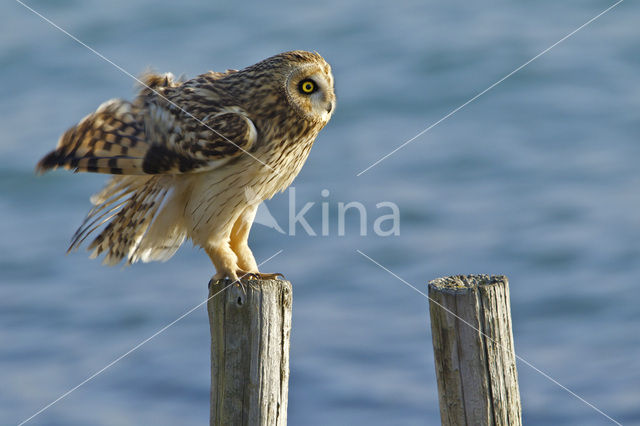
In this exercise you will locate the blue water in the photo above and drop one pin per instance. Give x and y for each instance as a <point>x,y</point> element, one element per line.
<point>537,179</point>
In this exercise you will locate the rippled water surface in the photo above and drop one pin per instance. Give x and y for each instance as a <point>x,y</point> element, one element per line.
<point>536,179</point>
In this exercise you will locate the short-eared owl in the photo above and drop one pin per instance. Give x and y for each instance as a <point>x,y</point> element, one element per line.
<point>193,159</point>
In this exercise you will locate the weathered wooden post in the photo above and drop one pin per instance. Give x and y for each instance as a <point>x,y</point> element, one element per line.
<point>473,350</point>
<point>250,329</point>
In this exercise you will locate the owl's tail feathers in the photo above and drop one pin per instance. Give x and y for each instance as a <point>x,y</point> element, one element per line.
<point>141,224</point>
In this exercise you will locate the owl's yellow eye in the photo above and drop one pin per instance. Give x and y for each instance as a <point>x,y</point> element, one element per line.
<point>307,86</point>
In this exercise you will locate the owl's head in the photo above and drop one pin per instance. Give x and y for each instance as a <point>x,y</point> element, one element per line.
<point>309,86</point>
<point>296,81</point>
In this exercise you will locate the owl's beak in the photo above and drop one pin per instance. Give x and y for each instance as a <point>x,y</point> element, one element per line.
<point>330,107</point>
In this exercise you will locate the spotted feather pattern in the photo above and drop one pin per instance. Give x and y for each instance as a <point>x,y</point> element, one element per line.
<point>128,205</point>
<point>155,134</point>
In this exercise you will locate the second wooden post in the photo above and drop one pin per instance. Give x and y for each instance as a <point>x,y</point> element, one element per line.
<point>250,329</point>
<point>473,350</point>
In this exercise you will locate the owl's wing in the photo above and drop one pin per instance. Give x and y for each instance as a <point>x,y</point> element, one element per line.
<point>123,138</point>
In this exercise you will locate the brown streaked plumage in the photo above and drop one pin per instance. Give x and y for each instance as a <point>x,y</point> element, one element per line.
<point>185,153</point>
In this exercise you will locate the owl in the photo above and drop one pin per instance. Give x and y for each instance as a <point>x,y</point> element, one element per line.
<point>186,154</point>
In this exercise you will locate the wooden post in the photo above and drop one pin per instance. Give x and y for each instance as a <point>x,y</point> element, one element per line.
<point>250,329</point>
<point>473,350</point>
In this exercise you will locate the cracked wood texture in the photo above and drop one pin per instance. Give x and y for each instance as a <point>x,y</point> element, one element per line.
<point>250,329</point>
<point>474,354</point>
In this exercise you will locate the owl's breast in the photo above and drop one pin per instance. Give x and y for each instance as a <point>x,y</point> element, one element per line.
<point>285,159</point>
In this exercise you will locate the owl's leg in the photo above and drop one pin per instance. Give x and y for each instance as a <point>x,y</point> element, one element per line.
<point>239,240</point>
<point>240,246</point>
<point>224,259</point>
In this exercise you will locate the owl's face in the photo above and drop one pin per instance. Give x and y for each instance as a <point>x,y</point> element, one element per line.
<point>303,80</point>
<point>309,89</point>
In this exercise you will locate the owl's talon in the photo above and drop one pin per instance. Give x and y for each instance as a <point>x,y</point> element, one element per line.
<point>240,284</point>
<point>244,275</point>
<point>229,280</point>
<point>274,276</point>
